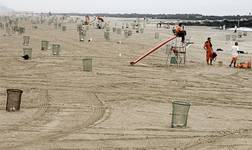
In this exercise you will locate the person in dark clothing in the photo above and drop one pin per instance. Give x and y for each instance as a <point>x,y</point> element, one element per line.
<point>180,32</point>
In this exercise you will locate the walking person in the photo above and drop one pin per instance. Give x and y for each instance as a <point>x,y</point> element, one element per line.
<point>209,51</point>
<point>235,54</point>
<point>235,29</point>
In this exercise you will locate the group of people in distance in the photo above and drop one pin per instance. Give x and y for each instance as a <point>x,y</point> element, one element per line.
<point>210,55</point>
<point>208,47</point>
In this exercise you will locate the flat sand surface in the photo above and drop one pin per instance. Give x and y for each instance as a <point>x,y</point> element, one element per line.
<point>119,106</point>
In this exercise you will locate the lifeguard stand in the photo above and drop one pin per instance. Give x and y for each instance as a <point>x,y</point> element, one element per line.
<point>176,53</point>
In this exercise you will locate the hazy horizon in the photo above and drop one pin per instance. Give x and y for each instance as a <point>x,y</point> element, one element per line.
<point>213,7</point>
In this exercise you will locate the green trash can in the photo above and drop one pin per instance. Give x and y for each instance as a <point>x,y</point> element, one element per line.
<point>173,60</point>
<point>130,32</point>
<point>21,30</point>
<point>13,99</point>
<point>142,30</point>
<point>234,37</point>
<point>87,27</point>
<point>55,49</point>
<point>44,45</point>
<point>180,111</point>
<point>245,33</point>
<point>240,34</point>
<point>126,33</point>
<point>114,29</point>
<point>107,29</point>
<point>228,37</point>
<point>27,51</point>
<point>63,28</point>
<point>156,35</point>
<point>87,64</point>
<point>55,26</point>
<point>119,31</point>
<point>79,27</point>
<point>107,35</point>
<point>82,34</point>
<point>26,40</point>
<point>59,25</point>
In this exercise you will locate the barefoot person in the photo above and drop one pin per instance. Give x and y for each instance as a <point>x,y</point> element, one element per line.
<point>209,51</point>
<point>235,54</point>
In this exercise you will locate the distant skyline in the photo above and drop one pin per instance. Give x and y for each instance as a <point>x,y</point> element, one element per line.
<point>212,7</point>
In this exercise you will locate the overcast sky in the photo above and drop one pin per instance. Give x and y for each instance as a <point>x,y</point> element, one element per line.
<point>210,7</point>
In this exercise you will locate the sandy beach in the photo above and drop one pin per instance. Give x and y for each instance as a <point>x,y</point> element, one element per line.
<point>118,106</point>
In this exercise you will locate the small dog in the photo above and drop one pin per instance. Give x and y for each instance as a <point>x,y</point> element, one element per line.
<point>26,57</point>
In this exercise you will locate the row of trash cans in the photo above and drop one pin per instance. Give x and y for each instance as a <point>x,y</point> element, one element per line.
<point>179,109</point>
<point>55,49</point>
<point>87,62</point>
<point>44,44</point>
<point>234,37</point>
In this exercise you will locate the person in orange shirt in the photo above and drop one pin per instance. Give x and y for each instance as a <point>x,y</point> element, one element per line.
<point>180,32</point>
<point>209,51</point>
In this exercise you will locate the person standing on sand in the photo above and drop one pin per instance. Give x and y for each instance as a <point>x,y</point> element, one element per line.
<point>209,51</point>
<point>235,29</point>
<point>235,54</point>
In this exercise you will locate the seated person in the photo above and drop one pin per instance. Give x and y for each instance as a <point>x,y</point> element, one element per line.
<point>180,32</point>
<point>244,65</point>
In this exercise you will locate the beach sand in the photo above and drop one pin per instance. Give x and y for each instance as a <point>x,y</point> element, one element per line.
<point>119,106</point>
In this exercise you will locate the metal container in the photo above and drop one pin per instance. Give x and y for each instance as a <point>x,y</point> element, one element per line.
<point>228,37</point>
<point>44,45</point>
<point>234,37</point>
<point>13,99</point>
<point>156,35</point>
<point>82,35</point>
<point>126,33</point>
<point>119,31</point>
<point>28,52</point>
<point>26,40</point>
<point>142,30</point>
<point>55,49</point>
<point>87,64</point>
<point>107,35</point>
<point>63,28</point>
<point>180,111</point>
<point>114,29</point>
